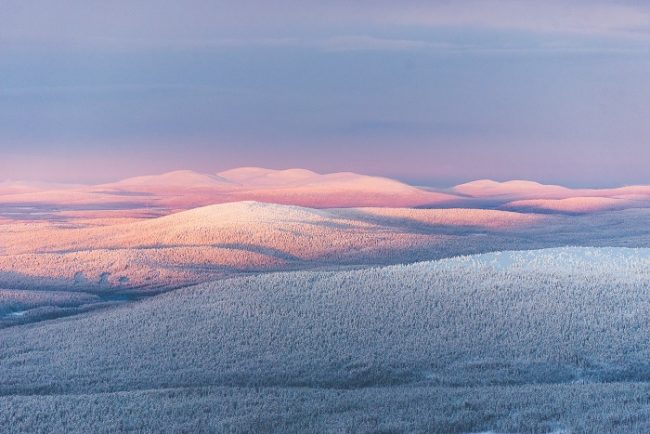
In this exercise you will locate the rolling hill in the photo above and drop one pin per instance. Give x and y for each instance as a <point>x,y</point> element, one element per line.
<point>217,240</point>
<point>301,351</point>
<point>535,197</point>
<point>186,189</point>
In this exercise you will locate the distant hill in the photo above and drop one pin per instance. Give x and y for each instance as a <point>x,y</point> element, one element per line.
<point>216,240</point>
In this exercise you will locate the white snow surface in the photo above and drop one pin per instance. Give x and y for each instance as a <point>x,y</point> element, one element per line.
<point>549,340</point>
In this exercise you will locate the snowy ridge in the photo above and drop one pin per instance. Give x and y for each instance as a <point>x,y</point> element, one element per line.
<point>586,259</point>
<point>186,189</point>
<point>205,243</point>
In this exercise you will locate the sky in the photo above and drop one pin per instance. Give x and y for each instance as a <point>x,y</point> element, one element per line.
<point>430,92</point>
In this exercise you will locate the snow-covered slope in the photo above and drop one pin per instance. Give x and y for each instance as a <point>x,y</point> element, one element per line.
<point>162,184</point>
<point>516,189</point>
<point>533,196</point>
<point>345,189</point>
<point>574,204</point>
<point>451,217</point>
<point>261,177</point>
<point>186,189</point>
<point>486,335</point>
<point>204,243</point>
<point>218,240</point>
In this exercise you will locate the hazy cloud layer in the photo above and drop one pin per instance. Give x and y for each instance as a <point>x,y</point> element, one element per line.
<point>428,91</point>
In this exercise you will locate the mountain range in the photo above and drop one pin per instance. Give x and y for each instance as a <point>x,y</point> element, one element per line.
<point>185,189</point>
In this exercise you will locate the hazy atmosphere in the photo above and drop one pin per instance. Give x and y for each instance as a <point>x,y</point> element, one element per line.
<point>429,92</point>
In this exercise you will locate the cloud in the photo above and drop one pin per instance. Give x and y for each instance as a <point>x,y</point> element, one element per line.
<point>582,17</point>
<point>287,22</point>
<point>335,43</point>
<point>111,89</point>
<point>479,44</point>
<point>354,43</point>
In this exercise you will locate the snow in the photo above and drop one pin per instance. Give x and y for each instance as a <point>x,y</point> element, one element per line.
<point>209,242</point>
<point>511,189</point>
<point>257,176</point>
<point>536,197</point>
<point>575,204</point>
<point>467,344</point>
<point>185,179</point>
<point>186,189</point>
<point>18,313</point>
<point>262,316</point>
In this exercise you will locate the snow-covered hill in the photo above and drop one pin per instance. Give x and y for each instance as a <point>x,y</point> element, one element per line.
<point>186,189</point>
<point>209,242</point>
<point>355,348</point>
<point>535,197</point>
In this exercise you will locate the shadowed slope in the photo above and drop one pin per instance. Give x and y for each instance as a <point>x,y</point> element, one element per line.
<point>574,205</point>
<point>518,319</point>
